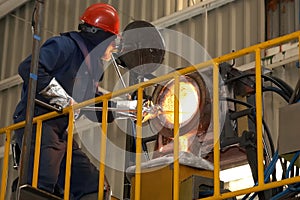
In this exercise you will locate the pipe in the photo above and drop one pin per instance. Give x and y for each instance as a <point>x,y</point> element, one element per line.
<point>27,138</point>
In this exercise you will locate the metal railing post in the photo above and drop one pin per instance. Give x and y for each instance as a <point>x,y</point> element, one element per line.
<point>37,151</point>
<point>69,155</point>
<point>216,130</point>
<point>138,144</point>
<point>258,96</point>
<point>176,138</point>
<point>103,150</point>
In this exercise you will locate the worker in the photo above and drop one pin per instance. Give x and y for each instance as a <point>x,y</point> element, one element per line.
<point>70,66</point>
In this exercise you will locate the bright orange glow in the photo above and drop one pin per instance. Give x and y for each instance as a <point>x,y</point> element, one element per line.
<point>185,142</point>
<point>188,101</point>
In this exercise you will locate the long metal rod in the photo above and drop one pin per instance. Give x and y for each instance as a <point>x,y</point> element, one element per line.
<point>118,71</point>
<point>96,108</point>
<point>27,138</point>
<point>119,74</point>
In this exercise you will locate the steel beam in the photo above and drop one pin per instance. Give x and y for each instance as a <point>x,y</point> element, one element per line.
<point>189,12</point>
<point>7,6</point>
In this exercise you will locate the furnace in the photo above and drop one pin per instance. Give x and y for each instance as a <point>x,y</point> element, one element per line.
<point>194,113</point>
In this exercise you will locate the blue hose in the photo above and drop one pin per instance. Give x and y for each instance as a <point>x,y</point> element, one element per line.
<point>291,188</point>
<point>268,171</point>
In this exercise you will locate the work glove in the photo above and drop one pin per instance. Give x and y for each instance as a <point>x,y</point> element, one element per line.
<point>57,95</point>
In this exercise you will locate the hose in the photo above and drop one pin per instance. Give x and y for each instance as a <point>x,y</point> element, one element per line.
<point>279,83</point>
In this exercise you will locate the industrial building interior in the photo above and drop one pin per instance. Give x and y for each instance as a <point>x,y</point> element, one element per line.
<point>254,47</point>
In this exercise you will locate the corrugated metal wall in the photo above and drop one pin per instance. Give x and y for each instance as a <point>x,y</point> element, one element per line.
<point>231,27</point>
<point>282,18</point>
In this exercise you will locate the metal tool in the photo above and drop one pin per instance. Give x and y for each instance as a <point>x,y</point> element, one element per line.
<point>150,111</point>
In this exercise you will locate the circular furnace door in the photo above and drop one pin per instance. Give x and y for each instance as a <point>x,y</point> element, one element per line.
<point>194,106</point>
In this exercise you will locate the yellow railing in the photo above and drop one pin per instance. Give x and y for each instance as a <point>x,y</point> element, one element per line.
<point>256,49</point>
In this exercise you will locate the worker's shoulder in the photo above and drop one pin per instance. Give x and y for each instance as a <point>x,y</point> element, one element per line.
<point>61,41</point>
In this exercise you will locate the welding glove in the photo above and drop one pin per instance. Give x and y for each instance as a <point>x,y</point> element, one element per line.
<point>58,96</point>
<point>56,93</point>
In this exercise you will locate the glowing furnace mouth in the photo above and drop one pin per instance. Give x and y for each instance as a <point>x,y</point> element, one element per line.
<point>194,106</point>
<point>189,99</point>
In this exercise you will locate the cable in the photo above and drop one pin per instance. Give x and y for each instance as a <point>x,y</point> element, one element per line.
<point>287,90</point>
<point>268,171</point>
<point>287,86</point>
<point>291,188</point>
<point>292,162</point>
<point>253,120</point>
<point>271,167</point>
<point>276,90</point>
<point>238,101</point>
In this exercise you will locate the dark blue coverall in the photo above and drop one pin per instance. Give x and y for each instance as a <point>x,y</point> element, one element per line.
<point>61,57</point>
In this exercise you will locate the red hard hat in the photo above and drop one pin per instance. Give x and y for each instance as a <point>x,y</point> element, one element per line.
<point>102,16</point>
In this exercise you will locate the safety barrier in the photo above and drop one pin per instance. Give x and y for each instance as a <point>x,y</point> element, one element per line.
<point>256,49</point>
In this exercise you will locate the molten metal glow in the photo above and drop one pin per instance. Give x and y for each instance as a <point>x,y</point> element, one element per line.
<point>188,101</point>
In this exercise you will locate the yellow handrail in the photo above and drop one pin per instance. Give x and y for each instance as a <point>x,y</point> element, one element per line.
<point>256,49</point>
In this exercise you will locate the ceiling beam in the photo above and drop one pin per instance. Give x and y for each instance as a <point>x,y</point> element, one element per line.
<point>189,12</point>
<point>6,6</point>
<point>10,82</point>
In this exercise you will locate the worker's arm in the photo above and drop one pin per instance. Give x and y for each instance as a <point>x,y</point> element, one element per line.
<point>53,56</point>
